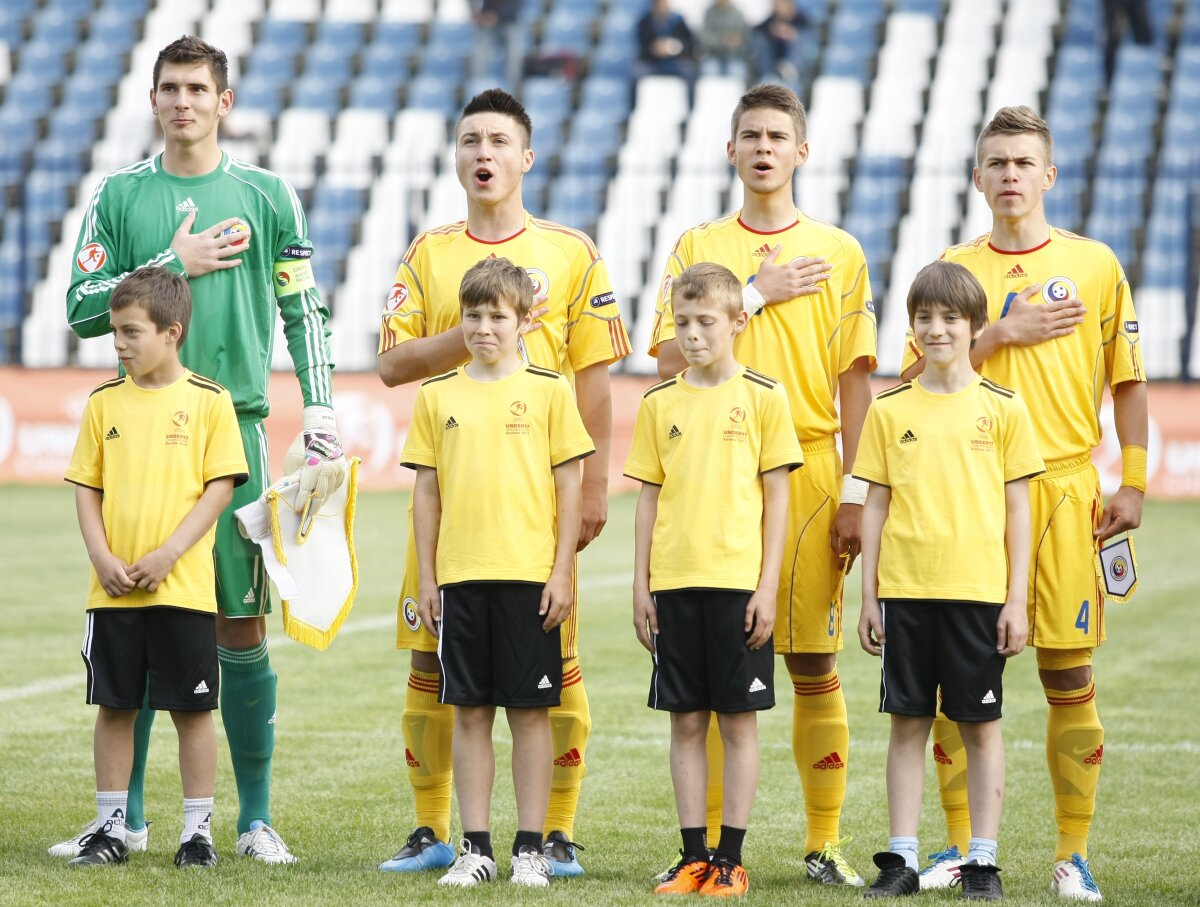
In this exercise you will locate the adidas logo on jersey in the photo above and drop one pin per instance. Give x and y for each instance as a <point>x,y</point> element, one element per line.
<point>832,761</point>
<point>186,205</point>
<point>762,251</point>
<point>113,434</point>
<point>450,423</point>
<point>908,437</point>
<point>1095,758</point>
<point>411,759</point>
<point>757,686</point>
<point>989,699</point>
<point>569,759</point>
<point>201,688</point>
<point>674,433</point>
<point>1014,272</point>
<point>249,599</point>
<point>544,683</point>
<point>939,755</point>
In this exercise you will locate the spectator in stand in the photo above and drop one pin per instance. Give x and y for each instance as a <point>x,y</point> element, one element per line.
<point>725,41</point>
<point>1117,14</point>
<point>498,33</point>
<point>779,45</point>
<point>666,46</point>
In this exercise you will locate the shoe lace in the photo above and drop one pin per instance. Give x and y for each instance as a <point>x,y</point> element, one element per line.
<point>419,836</point>
<point>1085,873</point>
<point>831,853</point>
<point>193,848</point>
<point>537,862</point>
<point>558,841</point>
<point>268,842</point>
<point>724,872</point>
<point>97,841</point>
<point>942,856</point>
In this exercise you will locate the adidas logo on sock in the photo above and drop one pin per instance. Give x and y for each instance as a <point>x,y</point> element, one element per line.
<point>450,423</point>
<point>411,759</point>
<point>907,437</point>
<point>113,434</point>
<point>939,755</point>
<point>544,683</point>
<point>569,759</point>
<point>201,688</point>
<point>762,251</point>
<point>206,825</point>
<point>989,699</point>
<point>832,761</point>
<point>249,599</point>
<point>1014,271</point>
<point>757,686</point>
<point>674,433</point>
<point>1096,757</point>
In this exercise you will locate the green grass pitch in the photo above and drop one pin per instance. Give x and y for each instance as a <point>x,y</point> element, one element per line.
<point>341,799</point>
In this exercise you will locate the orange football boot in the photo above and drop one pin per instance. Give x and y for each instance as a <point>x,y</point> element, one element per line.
<point>685,877</point>
<point>726,879</point>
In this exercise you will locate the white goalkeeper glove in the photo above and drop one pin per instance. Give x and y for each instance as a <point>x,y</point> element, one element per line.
<point>317,455</point>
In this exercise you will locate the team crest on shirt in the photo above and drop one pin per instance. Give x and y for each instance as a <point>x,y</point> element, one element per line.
<point>984,424</point>
<point>91,258</point>
<point>178,437</point>
<point>734,431</point>
<point>1058,289</point>
<point>397,296</point>
<point>412,620</point>
<point>517,424</point>
<point>983,443</point>
<point>541,283</point>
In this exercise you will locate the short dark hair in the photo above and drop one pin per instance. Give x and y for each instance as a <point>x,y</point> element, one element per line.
<point>944,283</point>
<point>773,97</point>
<point>190,49</point>
<point>163,295</point>
<point>495,280</point>
<point>709,281</point>
<point>497,100</point>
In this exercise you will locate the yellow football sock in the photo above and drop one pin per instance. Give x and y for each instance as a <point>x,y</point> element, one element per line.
<point>950,759</point>
<point>821,747</point>
<point>428,732</point>
<point>571,726</point>
<point>716,786</point>
<point>1074,748</point>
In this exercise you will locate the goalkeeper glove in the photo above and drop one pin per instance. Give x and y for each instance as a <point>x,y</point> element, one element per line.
<point>317,455</point>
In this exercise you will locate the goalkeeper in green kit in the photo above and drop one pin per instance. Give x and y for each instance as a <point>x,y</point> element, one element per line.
<point>238,234</point>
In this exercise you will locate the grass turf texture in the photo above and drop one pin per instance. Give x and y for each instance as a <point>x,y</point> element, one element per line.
<point>342,802</point>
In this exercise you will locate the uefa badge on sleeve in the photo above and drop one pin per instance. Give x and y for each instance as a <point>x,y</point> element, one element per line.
<point>1119,569</point>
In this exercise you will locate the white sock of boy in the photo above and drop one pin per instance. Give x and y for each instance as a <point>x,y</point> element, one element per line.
<point>907,848</point>
<point>111,806</point>
<point>197,818</point>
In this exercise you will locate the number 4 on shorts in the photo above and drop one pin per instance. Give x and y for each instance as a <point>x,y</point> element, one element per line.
<point>1081,619</point>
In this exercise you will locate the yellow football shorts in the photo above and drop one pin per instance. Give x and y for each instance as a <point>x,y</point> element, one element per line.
<point>1066,608</point>
<point>809,607</point>
<point>412,634</point>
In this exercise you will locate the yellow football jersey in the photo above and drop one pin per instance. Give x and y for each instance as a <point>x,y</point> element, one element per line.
<point>582,328</point>
<point>806,342</point>
<point>1061,380</point>
<point>946,459</point>
<point>707,448</point>
<point>494,445</point>
<point>151,452</point>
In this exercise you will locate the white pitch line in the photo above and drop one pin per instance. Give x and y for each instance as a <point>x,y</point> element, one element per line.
<point>41,687</point>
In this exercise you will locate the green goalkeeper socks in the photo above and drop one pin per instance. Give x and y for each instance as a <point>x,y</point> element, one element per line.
<point>248,713</point>
<point>135,811</point>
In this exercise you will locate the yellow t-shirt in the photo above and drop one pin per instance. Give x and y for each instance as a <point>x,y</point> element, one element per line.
<point>1061,380</point>
<point>151,452</point>
<point>494,445</point>
<point>946,459</point>
<point>582,328</point>
<point>806,342</point>
<point>707,447</point>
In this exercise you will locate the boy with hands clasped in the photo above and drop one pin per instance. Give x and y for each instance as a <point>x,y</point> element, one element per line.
<point>945,546</point>
<point>706,575</point>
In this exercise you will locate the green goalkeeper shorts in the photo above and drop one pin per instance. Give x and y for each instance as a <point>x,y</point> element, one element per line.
<point>242,588</point>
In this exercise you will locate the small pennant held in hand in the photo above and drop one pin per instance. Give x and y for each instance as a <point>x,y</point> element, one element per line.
<point>1119,569</point>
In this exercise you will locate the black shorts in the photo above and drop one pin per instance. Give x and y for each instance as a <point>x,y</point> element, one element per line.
<point>493,650</point>
<point>946,644</point>
<point>701,660</point>
<point>176,647</point>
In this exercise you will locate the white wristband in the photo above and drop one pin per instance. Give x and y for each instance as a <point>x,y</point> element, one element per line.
<point>854,491</point>
<point>752,300</point>
<point>319,418</point>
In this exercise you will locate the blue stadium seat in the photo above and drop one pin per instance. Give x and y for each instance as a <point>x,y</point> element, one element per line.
<point>44,58</point>
<point>347,35</point>
<point>285,34</point>
<point>1189,28</point>
<point>12,26</point>
<point>931,8</point>
<point>75,8</point>
<point>376,93</point>
<point>566,32</point>
<point>1064,206</point>
<point>261,92</point>
<point>272,64</point>
<point>443,63</point>
<point>612,60</point>
<point>329,61</point>
<point>29,93</point>
<point>57,25</point>
<point>319,93</point>
<point>454,37</point>
<point>386,61</point>
<point>605,93</point>
<point>1081,25</point>
<point>113,28</point>
<point>75,126</point>
<point>549,96</point>
<point>404,36</point>
<point>848,60</point>
<point>430,93</point>
<point>97,63</point>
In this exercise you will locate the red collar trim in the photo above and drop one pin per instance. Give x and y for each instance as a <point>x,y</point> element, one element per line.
<point>1019,252</point>
<point>494,242</point>
<point>766,232</point>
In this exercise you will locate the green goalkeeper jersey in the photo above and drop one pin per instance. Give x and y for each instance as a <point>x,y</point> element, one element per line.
<point>130,221</point>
